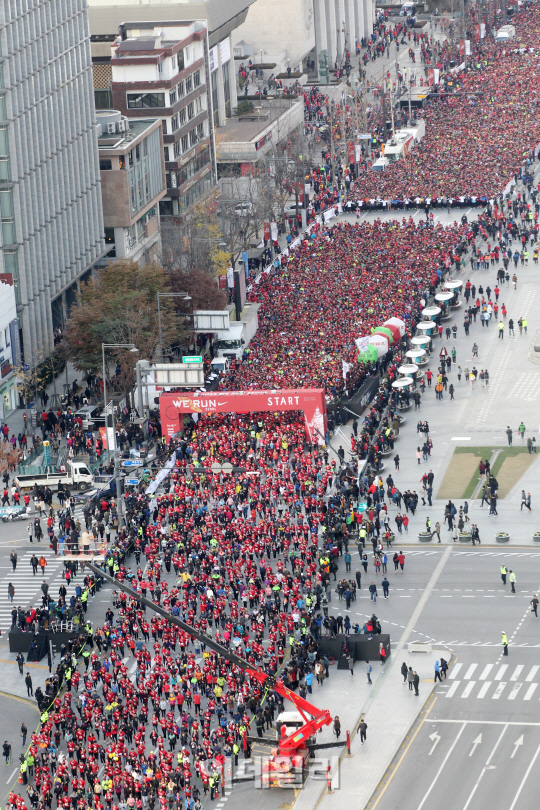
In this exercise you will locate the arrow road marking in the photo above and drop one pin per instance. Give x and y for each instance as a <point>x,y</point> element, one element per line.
<point>435,738</point>
<point>516,746</point>
<point>475,743</point>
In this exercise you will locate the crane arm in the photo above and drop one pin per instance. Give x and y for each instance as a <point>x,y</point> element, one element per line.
<point>289,744</point>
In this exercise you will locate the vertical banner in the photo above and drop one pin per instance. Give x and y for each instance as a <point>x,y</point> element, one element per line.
<point>430,76</point>
<point>246,262</point>
<point>461,47</point>
<point>266,231</point>
<point>273,231</point>
<point>477,32</point>
<point>467,47</point>
<point>482,30</point>
<point>436,76</point>
<point>350,148</point>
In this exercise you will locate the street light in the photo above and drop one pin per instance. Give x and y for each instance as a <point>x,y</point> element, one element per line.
<point>185,296</point>
<point>132,348</point>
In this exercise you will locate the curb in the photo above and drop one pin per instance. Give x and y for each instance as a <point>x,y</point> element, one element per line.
<point>31,703</point>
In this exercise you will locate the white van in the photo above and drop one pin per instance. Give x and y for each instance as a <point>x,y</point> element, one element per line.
<point>380,164</point>
<point>407,9</point>
<point>88,415</point>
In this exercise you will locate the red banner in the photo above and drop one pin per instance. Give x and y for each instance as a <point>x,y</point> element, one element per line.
<point>350,147</point>
<point>103,436</point>
<point>266,231</point>
<point>477,32</point>
<point>462,47</point>
<point>430,76</point>
<point>309,400</point>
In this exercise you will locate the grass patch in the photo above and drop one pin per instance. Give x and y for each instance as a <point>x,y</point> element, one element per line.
<point>507,475</point>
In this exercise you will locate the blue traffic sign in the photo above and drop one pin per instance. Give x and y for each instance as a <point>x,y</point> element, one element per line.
<point>131,482</point>
<point>133,462</point>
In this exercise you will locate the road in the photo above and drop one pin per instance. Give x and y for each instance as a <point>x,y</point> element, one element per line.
<point>480,739</point>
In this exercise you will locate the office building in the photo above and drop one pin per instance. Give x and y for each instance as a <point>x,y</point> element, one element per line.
<point>163,69</point>
<point>50,198</point>
<point>132,184</point>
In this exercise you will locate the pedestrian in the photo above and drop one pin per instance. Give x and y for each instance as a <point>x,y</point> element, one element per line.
<point>373,592</point>
<point>474,351</point>
<point>410,678</point>
<point>504,643</point>
<point>437,672</point>
<point>337,726</point>
<point>20,661</point>
<point>509,435</point>
<point>512,580</point>
<point>11,592</point>
<point>13,559</point>
<point>368,672</point>
<point>362,729</point>
<point>29,686</point>
<point>534,605</point>
<point>521,431</point>
<point>404,671</point>
<point>416,683</point>
<point>504,571</point>
<point>351,664</point>
<point>382,654</point>
<point>6,751</point>
<point>24,732</point>
<point>385,586</point>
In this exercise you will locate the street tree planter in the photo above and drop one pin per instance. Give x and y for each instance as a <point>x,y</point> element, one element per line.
<point>465,537</point>
<point>536,537</point>
<point>386,453</point>
<point>502,537</point>
<point>404,406</point>
<point>424,537</point>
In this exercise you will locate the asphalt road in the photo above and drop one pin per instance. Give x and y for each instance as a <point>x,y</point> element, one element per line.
<point>14,712</point>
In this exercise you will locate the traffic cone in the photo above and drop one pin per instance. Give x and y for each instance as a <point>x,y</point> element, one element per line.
<point>20,779</point>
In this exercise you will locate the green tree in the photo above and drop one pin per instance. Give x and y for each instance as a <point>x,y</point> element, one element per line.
<point>120,306</point>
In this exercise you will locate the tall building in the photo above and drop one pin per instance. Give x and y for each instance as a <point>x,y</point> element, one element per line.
<point>132,185</point>
<point>163,69</point>
<point>50,198</point>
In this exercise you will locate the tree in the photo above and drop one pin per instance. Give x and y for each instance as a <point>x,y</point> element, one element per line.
<point>120,306</point>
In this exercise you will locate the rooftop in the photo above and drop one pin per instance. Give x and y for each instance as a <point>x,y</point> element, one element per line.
<point>123,141</point>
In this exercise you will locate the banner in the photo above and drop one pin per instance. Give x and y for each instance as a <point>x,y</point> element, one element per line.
<point>436,76</point>
<point>346,368</point>
<point>162,475</point>
<point>362,343</point>
<point>431,78</point>
<point>309,400</point>
<point>462,48</point>
<point>273,231</point>
<point>467,47</point>
<point>477,32</point>
<point>266,231</point>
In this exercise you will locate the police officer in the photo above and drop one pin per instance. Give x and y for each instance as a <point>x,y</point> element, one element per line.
<point>504,572</point>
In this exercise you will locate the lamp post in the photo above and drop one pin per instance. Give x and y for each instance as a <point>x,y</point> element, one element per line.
<point>134,349</point>
<point>185,296</point>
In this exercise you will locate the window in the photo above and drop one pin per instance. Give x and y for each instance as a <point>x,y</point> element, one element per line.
<point>190,111</point>
<point>197,78</point>
<point>200,131</point>
<point>164,124</point>
<point>184,143</point>
<point>183,117</point>
<point>174,123</point>
<point>6,337</point>
<point>172,97</point>
<point>180,60</point>
<point>226,89</point>
<point>215,103</point>
<point>181,89</point>
<point>198,105</point>
<point>193,137</point>
<point>105,164</point>
<point>189,84</point>
<point>166,153</point>
<point>177,149</point>
<point>136,101</point>
<point>160,66</point>
<point>103,99</point>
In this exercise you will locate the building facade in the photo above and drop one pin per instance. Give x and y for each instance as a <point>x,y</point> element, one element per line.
<point>132,184</point>
<point>50,197</point>
<point>164,69</point>
<point>10,346</point>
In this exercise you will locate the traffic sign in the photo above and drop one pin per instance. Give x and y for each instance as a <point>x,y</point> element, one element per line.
<point>131,482</point>
<point>192,359</point>
<point>227,468</point>
<point>216,468</point>
<point>133,462</point>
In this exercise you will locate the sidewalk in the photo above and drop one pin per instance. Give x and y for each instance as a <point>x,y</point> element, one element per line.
<point>390,710</point>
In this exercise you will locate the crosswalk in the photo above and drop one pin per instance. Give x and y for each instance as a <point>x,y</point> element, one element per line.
<point>491,681</point>
<point>27,586</point>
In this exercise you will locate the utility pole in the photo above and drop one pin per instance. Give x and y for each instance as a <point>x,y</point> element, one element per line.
<point>269,206</point>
